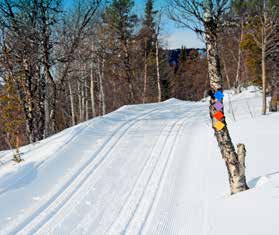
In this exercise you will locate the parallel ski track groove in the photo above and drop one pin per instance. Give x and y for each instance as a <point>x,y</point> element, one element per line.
<point>164,172</point>
<point>163,175</point>
<point>35,220</point>
<point>170,228</point>
<point>146,162</point>
<point>85,192</point>
<point>150,177</point>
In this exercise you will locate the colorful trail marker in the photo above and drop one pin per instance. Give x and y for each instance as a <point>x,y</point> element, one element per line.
<point>219,125</point>
<point>219,95</point>
<point>218,105</point>
<point>219,115</point>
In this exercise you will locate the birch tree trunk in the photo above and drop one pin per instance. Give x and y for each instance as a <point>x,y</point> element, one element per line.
<point>226,74</point>
<point>237,78</point>
<point>264,67</point>
<point>29,107</point>
<point>47,114</point>
<point>145,71</point>
<point>79,100</point>
<point>101,68</point>
<point>92,87</point>
<point>86,101</point>
<point>82,102</point>
<point>234,164</point>
<point>92,95</point>
<point>158,70</point>
<point>41,103</point>
<point>72,103</point>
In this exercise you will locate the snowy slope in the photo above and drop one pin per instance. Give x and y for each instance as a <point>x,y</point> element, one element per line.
<point>146,169</point>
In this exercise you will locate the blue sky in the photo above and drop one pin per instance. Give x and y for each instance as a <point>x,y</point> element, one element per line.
<point>172,35</point>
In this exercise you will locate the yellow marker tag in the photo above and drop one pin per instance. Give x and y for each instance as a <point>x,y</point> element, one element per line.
<point>219,125</point>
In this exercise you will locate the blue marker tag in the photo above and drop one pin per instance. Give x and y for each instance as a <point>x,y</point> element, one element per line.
<point>219,95</point>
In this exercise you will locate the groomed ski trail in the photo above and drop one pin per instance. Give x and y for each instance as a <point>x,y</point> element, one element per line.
<point>55,202</point>
<point>136,181</point>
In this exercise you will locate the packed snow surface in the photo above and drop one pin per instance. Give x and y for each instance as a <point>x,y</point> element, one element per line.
<point>146,169</point>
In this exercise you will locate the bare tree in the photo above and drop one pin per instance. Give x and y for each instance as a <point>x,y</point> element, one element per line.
<point>26,53</point>
<point>158,63</point>
<point>206,17</point>
<point>263,24</point>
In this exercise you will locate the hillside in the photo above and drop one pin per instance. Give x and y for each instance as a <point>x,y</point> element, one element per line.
<point>146,169</point>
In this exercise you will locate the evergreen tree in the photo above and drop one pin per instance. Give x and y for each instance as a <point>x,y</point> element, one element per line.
<point>12,118</point>
<point>149,23</point>
<point>121,22</point>
<point>183,55</point>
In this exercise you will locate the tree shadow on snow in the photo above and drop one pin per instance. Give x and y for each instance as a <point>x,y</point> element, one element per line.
<point>261,180</point>
<point>24,175</point>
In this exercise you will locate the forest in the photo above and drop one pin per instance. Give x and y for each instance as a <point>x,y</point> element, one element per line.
<point>61,66</point>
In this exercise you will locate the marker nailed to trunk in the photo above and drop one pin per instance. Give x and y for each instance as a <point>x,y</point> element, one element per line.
<point>219,125</point>
<point>219,95</point>
<point>219,115</point>
<point>218,106</point>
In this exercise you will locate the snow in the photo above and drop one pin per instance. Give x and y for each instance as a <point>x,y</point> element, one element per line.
<point>2,82</point>
<point>146,169</point>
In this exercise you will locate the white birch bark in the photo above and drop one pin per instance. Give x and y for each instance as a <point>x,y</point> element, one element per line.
<point>72,103</point>
<point>86,101</point>
<point>145,71</point>
<point>158,70</point>
<point>237,78</point>
<point>101,65</point>
<point>79,100</point>
<point>236,173</point>
<point>92,88</point>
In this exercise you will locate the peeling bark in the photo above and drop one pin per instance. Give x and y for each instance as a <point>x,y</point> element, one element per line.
<point>72,103</point>
<point>145,71</point>
<point>235,167</point>
<point>237,78</point>
<point>158,71</point>
<point>92,87</point>
<point>101,66</point>
<point>263,81</point>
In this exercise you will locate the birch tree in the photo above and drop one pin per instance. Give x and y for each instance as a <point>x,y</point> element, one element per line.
<point>206,17</point>
<point>263,23</point>
<point>158,63</point>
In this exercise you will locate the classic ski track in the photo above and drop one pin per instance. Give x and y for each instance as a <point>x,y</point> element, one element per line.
<point>49,208</point>
<point>122,228</point>
<point>139,175</point>
<point>71,205</point>
<point>160,183</point>
<point>158,192</point>
<point>40,164</point>
<point>172,227</point>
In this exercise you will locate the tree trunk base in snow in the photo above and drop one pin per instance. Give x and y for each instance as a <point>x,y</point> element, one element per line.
<point>235,162</point>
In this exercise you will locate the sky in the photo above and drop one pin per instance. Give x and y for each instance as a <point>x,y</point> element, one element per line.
<point>172,35</point>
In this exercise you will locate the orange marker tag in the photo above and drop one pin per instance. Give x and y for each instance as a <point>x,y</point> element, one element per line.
<point>219,115</point>
<point>219,126</point>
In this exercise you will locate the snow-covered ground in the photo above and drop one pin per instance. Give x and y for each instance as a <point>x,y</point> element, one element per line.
<point>146,169</point>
